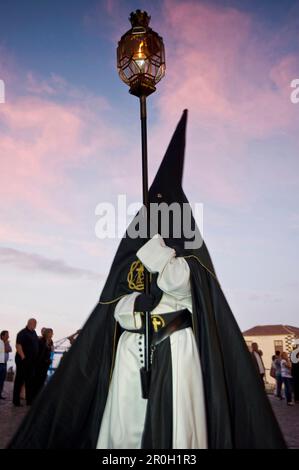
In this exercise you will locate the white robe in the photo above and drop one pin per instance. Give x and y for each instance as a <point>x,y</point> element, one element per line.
<point>124,416</point>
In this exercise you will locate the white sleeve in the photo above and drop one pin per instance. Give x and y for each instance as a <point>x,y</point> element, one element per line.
<point>154,255</point>
<point>125,315</point>
<point>175,278</point>
<point>174,273</point>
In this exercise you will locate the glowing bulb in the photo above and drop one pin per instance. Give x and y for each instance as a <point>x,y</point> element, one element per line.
<point>140,63</point>
<point>140,56</point>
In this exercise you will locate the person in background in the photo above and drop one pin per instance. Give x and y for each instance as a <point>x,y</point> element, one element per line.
<point>51,341</point>
<point>278,377</point>
<point>26,357</point>
<point>43,329</point>
<point>287,379</point>
<point>43,359</point>
<point>5,349</point>
<point>256,354</point>
<point>273,368</point>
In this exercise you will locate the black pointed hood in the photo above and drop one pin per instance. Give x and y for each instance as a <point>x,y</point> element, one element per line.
<point>167,185</point>
<point>166,188</point>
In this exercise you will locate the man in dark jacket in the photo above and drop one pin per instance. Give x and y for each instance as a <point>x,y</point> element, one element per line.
<point>26,356</point>
<point>258,361</point>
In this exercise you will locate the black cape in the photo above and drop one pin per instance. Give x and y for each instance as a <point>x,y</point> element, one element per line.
<point>68,412</point>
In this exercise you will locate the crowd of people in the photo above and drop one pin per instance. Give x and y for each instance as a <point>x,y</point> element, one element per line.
<point>33,359</point>
<point>285,373</point>
<point>34,354</point>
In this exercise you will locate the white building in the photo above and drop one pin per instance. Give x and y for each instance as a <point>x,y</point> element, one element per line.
<point>271,338</point>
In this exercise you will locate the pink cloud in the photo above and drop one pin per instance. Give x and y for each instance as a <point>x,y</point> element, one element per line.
<point>235,85</point>
<point>284,71</point>
<point>221,66</point>
<point>218,69</point>
<point>42,138</point>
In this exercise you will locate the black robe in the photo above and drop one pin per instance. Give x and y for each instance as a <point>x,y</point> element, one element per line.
<point>68,412</point>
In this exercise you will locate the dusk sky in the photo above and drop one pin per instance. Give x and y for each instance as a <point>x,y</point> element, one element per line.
<point>70,139</point>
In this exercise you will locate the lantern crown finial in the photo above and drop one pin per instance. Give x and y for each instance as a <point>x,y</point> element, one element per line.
<point>139,19</point>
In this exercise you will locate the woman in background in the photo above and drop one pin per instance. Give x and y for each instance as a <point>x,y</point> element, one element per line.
<point>44,358</point>
<point>287,378</point>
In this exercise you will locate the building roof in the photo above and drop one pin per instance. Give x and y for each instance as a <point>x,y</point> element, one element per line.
<point>265,330</point>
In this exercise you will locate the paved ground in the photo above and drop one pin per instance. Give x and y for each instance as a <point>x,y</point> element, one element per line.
<point>10,418</point>
<point>288,418</point>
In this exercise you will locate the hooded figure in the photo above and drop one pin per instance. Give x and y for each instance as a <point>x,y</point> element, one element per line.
<point>205,391</point>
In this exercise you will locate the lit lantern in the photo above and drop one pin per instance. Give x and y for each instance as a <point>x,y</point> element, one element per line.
<point>141,56</point>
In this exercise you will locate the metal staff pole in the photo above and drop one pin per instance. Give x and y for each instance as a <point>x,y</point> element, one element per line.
<point>145,371</point>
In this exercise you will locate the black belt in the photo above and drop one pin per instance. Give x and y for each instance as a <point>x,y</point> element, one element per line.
<point>166,324</point>
<point>173,322</point>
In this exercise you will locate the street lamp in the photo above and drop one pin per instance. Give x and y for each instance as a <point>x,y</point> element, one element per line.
<point>141,65</point>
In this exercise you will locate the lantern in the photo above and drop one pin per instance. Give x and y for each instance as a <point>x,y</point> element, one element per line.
<point>141,56</point>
